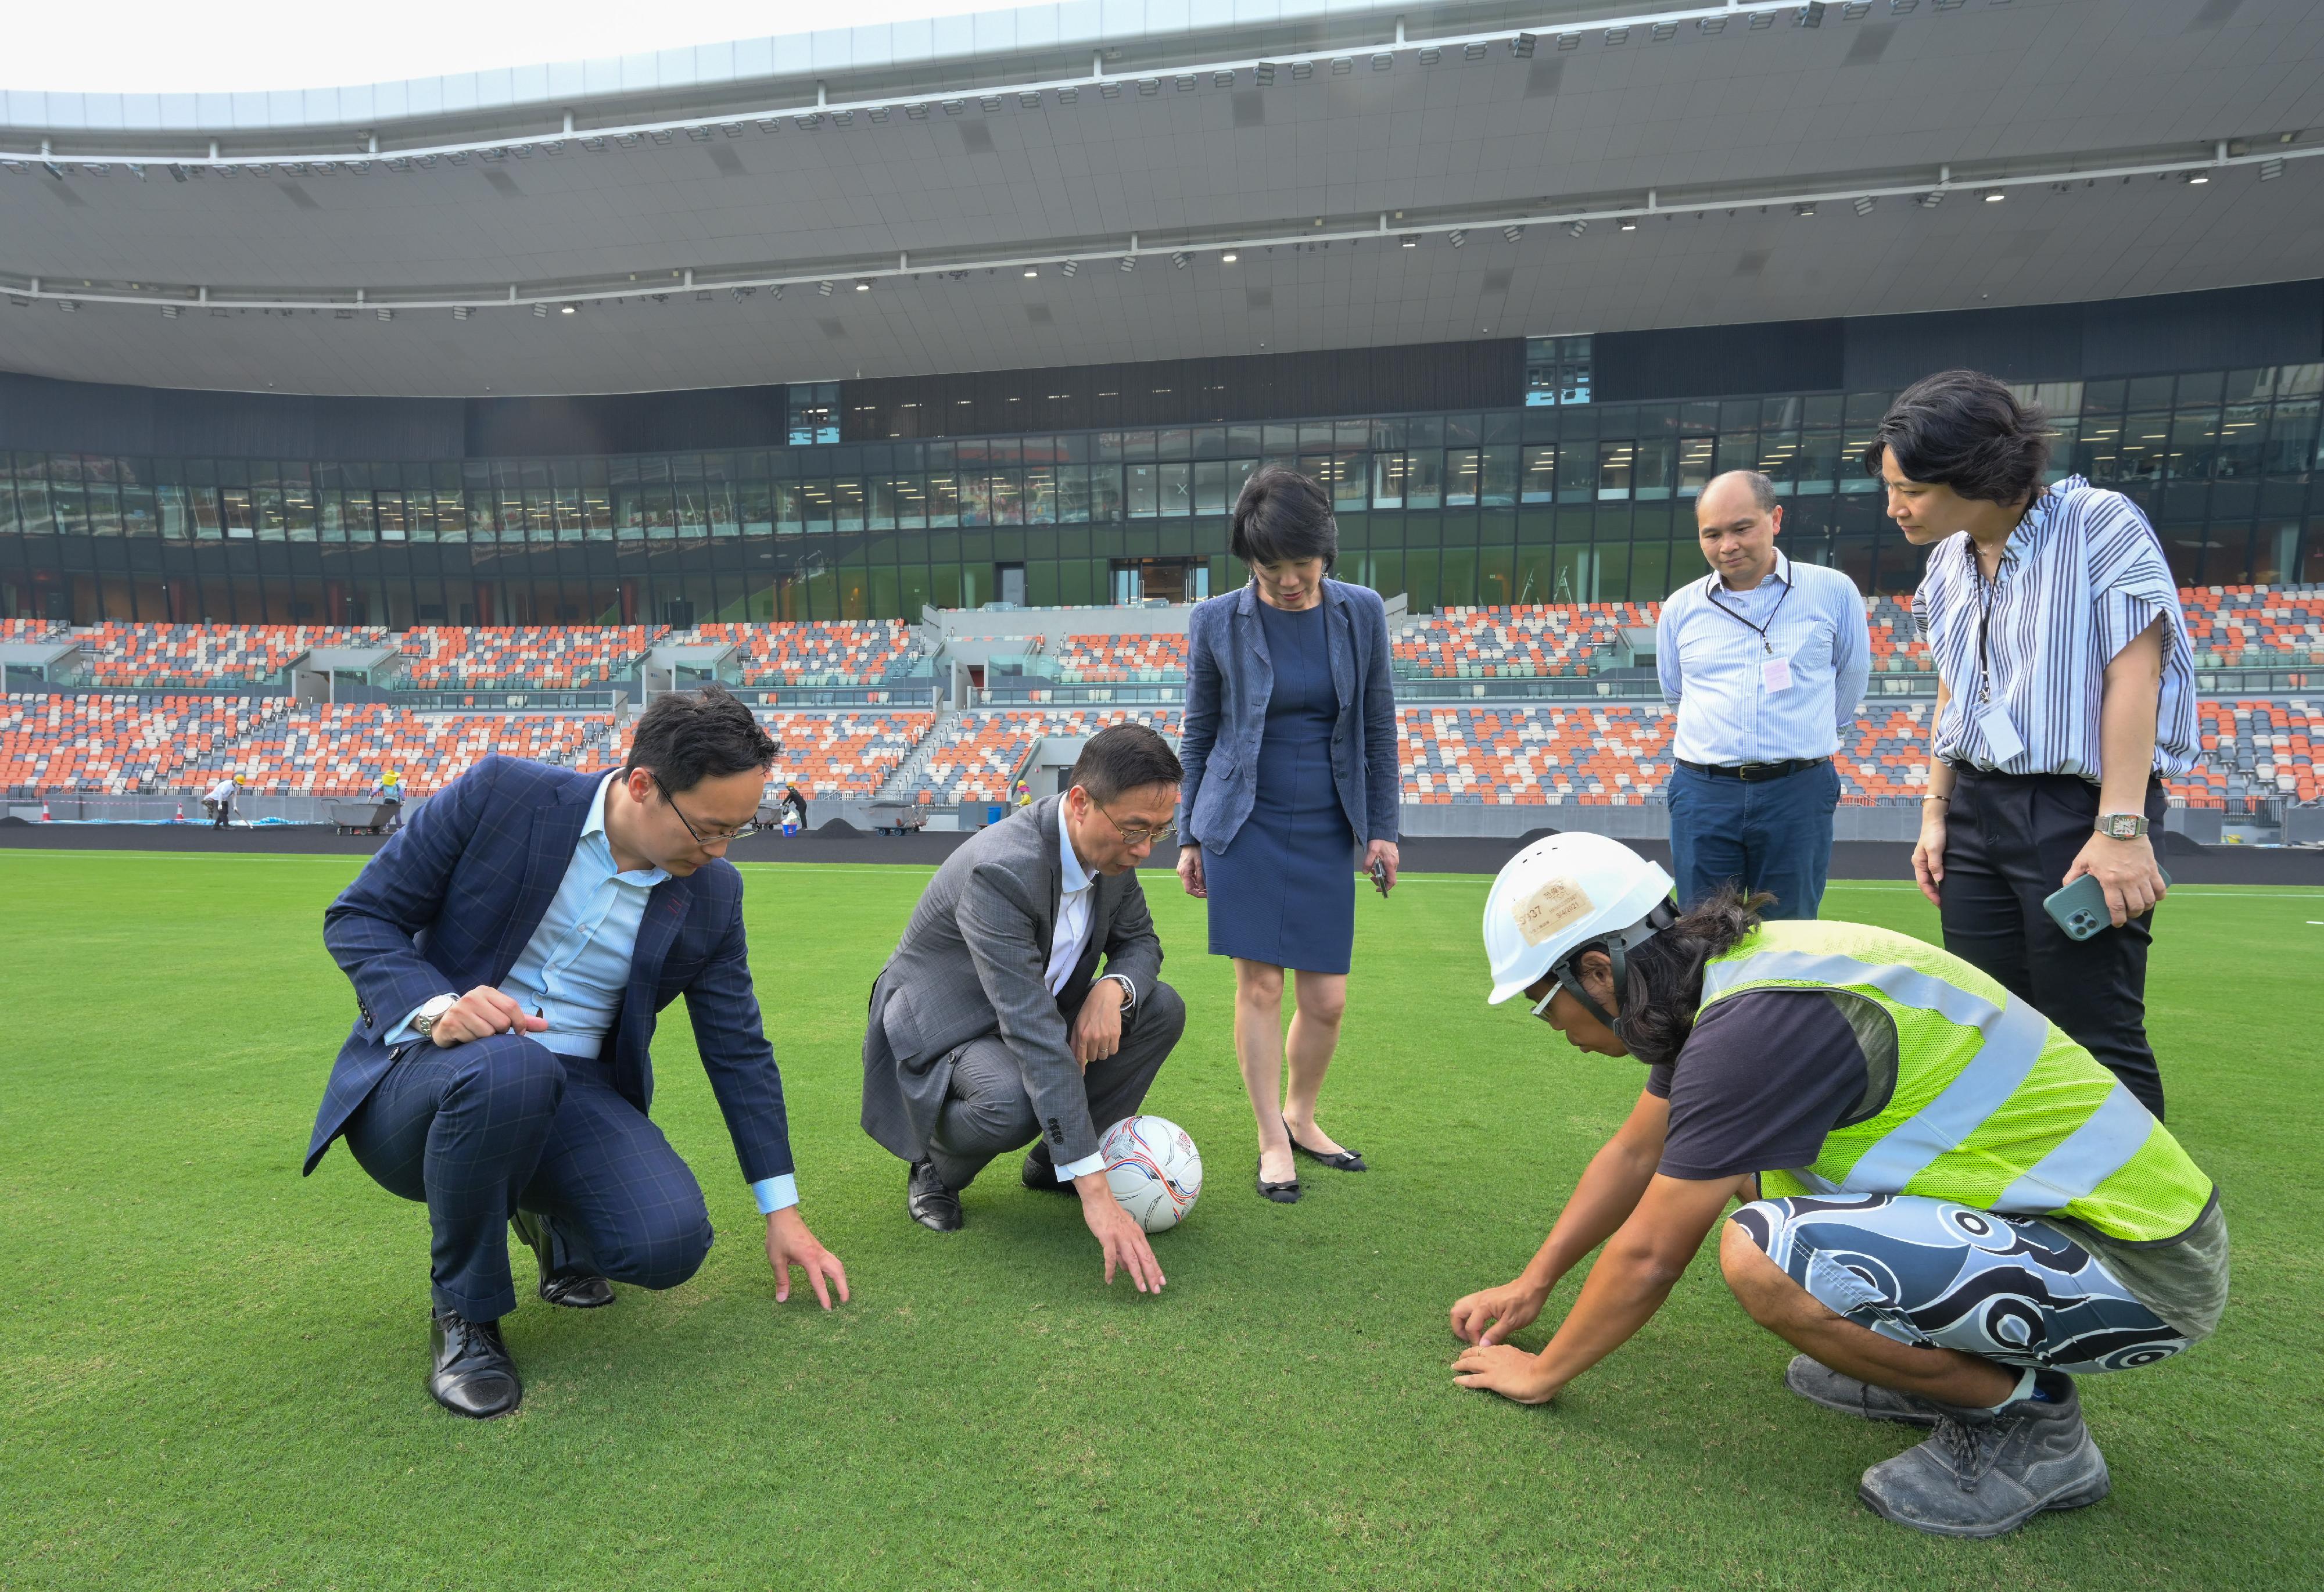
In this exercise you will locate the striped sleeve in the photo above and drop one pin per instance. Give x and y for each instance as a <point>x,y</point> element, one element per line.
<point>2131,585</point>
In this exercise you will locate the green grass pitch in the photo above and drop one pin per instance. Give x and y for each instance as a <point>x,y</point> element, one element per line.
<point>210,1371</point>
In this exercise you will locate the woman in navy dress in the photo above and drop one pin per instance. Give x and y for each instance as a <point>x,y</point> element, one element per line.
<point>1291,787</point>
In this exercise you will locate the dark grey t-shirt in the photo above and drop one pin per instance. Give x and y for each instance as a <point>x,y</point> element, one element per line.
<point>1768,1074</point>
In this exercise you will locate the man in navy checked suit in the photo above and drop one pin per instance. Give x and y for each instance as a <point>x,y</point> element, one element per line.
<point>570,908</point>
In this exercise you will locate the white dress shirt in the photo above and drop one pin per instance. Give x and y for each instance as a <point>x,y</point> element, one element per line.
<point>1078,895</point>
<point>1713,647</point>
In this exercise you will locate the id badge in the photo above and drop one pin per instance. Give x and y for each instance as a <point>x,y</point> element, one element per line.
<point>1776,674</point>
<point>2001,738</point>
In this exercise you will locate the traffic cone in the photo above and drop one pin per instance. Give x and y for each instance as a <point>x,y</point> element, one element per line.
<point>44,811</point>
<point>182,812</point>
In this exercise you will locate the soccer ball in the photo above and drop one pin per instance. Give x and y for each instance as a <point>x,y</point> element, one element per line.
<point>1154,1170</point>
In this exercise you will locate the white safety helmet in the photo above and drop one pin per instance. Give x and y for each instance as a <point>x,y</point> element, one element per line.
<point>1562,894</point>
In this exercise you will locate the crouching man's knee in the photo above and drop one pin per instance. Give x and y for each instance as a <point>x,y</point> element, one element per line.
<point>660,1251</point>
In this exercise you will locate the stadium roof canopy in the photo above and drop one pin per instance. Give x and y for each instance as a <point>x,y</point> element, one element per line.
<point>1116,180</point>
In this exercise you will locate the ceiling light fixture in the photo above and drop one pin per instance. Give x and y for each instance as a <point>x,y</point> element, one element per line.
<point>1031,271</point>
<point>1410,240</point>
<point>1264,74</point>
<point>1128,262</point>
<point>540,311</point>
<point>169,312</point>
<point>1994,196</point>
<point>1228,258</point>
<point>564,310</point>
<point>1456,237</point>
<point>1863,206</point>
<point>1522,46</point>
<point>2197,178</point>
<point>824,288</point>
<point>1070,267</point>
<point>1575,229</point>
<point>1807,209</point>
<point>1178,259</point>
<point>1512,233</point>
<point>387,315</point>
<point>2271,169</point>
<point>1932,199</point>
<point>459,312</point>
<point>1629,224</point>
<point>863,287</point>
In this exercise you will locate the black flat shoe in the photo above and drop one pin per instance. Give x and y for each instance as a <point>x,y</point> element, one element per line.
<point>474,1374</point>
<point>576,1287</point>
<point>1282,1193</point>
<point>1341,1161</point>
<point>928,1201</point>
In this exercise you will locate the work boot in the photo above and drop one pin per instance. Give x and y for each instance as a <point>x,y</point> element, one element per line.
<point>1818,1384</point>
<point>1985,1472</point>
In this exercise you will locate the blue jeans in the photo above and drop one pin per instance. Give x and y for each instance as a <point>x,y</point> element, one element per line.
<point>1764,834</point>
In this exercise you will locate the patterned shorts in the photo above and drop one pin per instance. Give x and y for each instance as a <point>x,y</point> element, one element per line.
<point>1937,1274</point>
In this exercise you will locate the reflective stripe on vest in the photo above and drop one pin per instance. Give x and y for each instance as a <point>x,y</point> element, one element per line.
<point>1993,1106</point>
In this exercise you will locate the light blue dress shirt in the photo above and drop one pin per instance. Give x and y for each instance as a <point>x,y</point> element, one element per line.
<point>575,971</point>
<point>1712,665</point>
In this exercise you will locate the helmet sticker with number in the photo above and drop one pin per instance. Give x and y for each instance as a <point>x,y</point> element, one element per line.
<point>1558,904</point>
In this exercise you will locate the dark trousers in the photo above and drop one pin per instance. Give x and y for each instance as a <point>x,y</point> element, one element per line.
<point>1763,834</point>
<point>220,812</point>
<point>2009,839</point>
<point>478,1129</point>
<point>987,1111</point>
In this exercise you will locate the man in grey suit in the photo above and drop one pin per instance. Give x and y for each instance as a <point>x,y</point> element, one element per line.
<point>991,1026</point>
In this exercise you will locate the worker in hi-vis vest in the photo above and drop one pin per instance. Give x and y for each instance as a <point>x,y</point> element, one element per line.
<point>1949,1207</point>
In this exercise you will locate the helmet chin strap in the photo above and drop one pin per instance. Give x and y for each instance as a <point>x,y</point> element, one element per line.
<point>1617,947</point>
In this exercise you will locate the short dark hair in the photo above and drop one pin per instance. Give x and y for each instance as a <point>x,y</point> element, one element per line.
<point>686,737</point>
<point>1282,516</point>
<point>1124,758</point>
<point>1965,430</point>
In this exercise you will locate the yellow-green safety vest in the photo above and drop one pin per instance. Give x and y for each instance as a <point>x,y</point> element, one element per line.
<point>1993,1107</point>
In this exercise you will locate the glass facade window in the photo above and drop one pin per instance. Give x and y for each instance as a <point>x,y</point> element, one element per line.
<point>1552,503</point>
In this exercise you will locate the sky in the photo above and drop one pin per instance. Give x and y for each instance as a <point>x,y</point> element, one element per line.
<point>165,46</point>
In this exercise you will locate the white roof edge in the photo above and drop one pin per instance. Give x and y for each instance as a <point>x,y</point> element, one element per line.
<point>962,38</point>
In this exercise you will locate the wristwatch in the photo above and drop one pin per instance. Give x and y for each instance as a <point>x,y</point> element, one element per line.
<point>423,1021</point>
<point>2121,826</point>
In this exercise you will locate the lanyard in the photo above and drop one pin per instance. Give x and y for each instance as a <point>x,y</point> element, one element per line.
<point>1766,645</point>
<point>1985,599</point>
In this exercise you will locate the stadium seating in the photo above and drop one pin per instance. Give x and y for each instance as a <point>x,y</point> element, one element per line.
<point>1520,642</point>
<point>320,749</point>
<point>981,751</point>
<point>2255,627</point>
<point>541,657</point>
<point>1896,644</point>
<point>1599,755</point>
<point>1109,660</point>
<point>841,756</point>
<point>31,629</point>
<point>1885,756</point>
<point>2259,749</point>
<point>146,656</point>
<point>118,744</point>
<point>835,652</point>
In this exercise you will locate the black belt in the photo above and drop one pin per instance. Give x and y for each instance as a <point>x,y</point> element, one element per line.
<point>1751,773</point>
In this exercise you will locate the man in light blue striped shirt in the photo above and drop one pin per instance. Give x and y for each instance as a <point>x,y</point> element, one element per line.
<point>1764,661</point>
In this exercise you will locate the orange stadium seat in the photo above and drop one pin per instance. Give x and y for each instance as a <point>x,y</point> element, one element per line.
<point>847,755</point>
<point>2255,750</point>
<point>119,743</point>
<point>159,655</point>
<point>1109,660</point>
<point>320,749</point>
<point>982,750</point>
<point>832,652</point>
<point>546,658</point>
<point>2255,627</point>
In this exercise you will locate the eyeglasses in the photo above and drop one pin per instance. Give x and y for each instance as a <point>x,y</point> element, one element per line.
<point>1138,834</point>
<point>715,837</point>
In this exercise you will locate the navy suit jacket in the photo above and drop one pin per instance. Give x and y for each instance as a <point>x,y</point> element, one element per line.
<point>451,901</point>
<point>1229,679</point>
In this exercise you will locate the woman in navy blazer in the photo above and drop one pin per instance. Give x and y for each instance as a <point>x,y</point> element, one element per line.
<point>1290,756</point>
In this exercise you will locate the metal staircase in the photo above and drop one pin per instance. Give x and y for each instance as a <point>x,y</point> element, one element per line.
<point>903,782</point>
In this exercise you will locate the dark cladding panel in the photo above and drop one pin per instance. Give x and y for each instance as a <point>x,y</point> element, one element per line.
<point>626,423</point>
<point>1715,362</point>
<point>40,415</point>
<point>2029,343</point>
<point>2281,323</point>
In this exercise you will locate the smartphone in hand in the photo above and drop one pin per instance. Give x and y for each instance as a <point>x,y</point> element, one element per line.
<point>2081,908</point>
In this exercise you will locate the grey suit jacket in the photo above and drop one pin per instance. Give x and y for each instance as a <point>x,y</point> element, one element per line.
<point>1229,679</point>
<point>973,961</point>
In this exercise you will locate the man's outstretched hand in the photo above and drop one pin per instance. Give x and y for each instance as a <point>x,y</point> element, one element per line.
<point>789,1245</point>
<point>1118,1232</point>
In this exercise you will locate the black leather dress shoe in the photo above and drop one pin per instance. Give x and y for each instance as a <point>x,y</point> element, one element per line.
<point>576,1287</point>
<point>1039,1173</point>
<point>930,1203</point>
<point>474,1374</point>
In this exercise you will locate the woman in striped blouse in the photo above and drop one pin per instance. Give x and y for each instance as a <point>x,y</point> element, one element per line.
<point>2065,690</point>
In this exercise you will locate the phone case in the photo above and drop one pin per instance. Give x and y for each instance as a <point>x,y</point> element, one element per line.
<point>2081,908</point>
